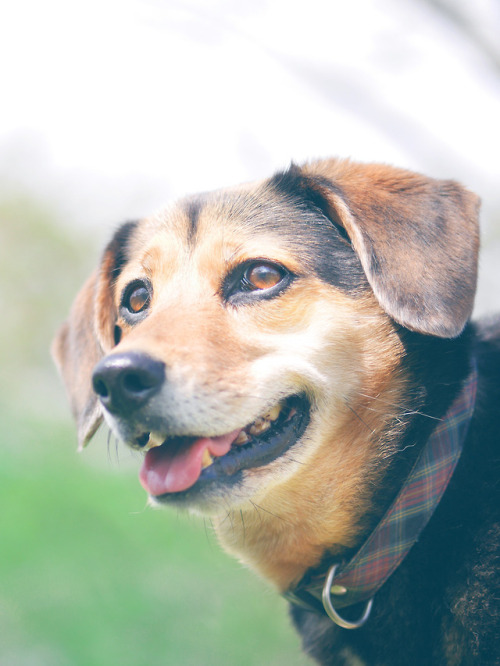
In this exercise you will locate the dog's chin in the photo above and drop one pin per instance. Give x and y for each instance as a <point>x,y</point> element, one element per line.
<point>201,474</point>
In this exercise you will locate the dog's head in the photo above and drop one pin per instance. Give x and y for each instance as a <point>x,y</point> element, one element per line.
<point>236,336</point>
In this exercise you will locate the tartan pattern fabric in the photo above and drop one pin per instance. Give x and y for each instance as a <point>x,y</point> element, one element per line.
<point>401,526</point>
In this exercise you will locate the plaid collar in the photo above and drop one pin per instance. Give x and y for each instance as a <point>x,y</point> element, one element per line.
<point>386,547</point>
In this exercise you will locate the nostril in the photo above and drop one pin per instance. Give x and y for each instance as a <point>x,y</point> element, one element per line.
<point>137,382</point>
<point>100,388</point>
<point>142,440</point>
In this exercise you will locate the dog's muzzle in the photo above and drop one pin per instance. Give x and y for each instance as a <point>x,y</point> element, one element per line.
<point>132,389</point>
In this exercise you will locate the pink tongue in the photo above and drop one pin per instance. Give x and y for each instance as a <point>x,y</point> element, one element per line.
<point>176,466</point>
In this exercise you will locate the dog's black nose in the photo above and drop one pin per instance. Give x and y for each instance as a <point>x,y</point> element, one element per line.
<point>127,381</point>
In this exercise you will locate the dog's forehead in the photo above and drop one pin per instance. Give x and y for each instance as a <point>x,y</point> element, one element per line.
<point>218,229</point>
<point>243,214</point>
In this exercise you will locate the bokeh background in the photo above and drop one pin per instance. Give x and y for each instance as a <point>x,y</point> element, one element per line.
<point>110,108</point>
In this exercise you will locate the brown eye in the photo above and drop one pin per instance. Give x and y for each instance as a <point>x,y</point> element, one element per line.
<point>136,298</point>
<point>256,280</point>
<point>263,276</point>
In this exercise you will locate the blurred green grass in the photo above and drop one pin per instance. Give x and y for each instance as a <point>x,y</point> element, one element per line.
<point>88,574</point>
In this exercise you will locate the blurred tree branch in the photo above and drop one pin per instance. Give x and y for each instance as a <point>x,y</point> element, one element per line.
<point>481,29</point>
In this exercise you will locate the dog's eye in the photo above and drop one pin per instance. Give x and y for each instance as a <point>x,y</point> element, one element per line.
<point>255,279</point>
<point>263,276</point>
<point>136,298</point>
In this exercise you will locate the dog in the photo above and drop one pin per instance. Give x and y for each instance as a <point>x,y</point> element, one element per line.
<point>295,359</point>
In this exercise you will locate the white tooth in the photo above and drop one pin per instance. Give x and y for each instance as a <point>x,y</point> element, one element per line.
<point>242,438</point>
<point>273,413</point>
<point>154,440</point>
<point>207,459</point>
<point>259,426</point>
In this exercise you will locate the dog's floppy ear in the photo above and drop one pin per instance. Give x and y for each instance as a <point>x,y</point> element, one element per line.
<point>88,334</point>
<point>417,239</point>
<point>76,350</point>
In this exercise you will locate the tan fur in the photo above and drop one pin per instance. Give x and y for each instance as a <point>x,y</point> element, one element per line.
<point>227,365</point>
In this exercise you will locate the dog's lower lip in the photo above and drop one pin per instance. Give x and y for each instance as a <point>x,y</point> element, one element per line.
<point>234,456</point>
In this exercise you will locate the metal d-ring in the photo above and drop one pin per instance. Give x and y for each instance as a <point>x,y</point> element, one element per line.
<point>330,610</point>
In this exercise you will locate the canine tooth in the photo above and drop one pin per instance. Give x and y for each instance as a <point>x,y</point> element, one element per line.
<point>273,413</point>
<point>207,459</point>
<point>259,426</point>
<point>154,440</point>
<point>242,438</point>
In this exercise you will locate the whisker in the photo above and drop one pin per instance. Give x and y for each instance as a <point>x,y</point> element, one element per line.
<point>243,525</point>
<point>294,460</point>
<point>408,446</point>
<point>208,534</point>
<point>256,509</point>
<point>359,418</point>
<point>230,516</point>
<point>396,417</point>
<point>269,512</point>
<point>406,411</point>
<point>109,439</point>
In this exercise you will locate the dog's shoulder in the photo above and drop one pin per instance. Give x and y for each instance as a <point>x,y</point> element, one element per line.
<point>484,441</point>
<point>470,517</point>
<point>487,351</point>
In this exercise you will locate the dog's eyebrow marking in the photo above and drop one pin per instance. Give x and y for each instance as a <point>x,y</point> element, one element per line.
<point>193,209</point>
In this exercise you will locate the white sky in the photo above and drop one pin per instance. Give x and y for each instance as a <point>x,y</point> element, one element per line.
<point>111,107</point>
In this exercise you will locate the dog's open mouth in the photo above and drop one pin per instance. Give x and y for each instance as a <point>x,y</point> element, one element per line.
<point>177,464</point>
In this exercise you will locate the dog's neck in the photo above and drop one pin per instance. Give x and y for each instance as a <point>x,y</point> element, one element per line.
<point>360,578</point>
